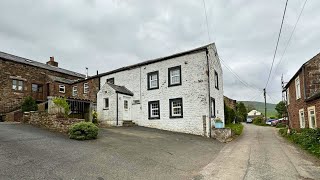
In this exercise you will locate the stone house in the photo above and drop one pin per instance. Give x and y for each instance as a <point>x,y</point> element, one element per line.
<point>231,103</point>
<point>303,95</point>
<point>21,77</point>
<point>182,92</point>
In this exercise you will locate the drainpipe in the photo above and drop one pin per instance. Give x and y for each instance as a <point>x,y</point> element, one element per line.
<point>207,54</point>
<point>117,110</point>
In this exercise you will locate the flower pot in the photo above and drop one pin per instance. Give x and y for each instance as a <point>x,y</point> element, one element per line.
<point>218,125</point>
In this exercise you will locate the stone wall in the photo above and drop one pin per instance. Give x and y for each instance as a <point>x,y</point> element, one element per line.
<point>230,103</point>
<point>51,122</point>
<point>93,89</point>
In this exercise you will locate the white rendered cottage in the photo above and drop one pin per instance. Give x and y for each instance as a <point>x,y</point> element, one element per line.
<point>182,92</point>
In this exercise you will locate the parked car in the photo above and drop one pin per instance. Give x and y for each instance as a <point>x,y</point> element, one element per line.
<point>269,121</point>
<point>249,120</point>
<point>281,120</point>
<point>275,122</point>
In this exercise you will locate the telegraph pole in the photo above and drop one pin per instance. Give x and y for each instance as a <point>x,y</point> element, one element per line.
<point>265,104</point>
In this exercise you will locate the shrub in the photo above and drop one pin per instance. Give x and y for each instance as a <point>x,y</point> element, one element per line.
<point>236,128</point>
<point>83,131</point>
<point>259,121</point>
<point>308,139</point>
<point>94,117</point>
<point>62,103</point>
<point>29,104</point>
<point>280,125</point>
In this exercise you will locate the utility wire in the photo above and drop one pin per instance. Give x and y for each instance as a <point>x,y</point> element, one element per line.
<point>275,52</point>
<point>205,12</point>
<point>290,37</point>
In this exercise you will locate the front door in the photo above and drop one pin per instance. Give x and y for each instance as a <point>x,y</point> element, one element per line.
<point>126,108</point>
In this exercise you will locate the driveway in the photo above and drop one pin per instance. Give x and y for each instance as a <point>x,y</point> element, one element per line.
<point>260,153</point>
<point>27,152</point>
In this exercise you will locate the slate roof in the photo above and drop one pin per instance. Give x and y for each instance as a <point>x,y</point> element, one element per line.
<point>22,60</point>
<point>121,89</point>
<point>62,80</point>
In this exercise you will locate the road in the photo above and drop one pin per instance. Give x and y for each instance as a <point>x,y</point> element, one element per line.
<point>27,152</point>
<point>260,153</point>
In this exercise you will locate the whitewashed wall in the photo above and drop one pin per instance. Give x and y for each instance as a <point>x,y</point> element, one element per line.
<point>194,91</point>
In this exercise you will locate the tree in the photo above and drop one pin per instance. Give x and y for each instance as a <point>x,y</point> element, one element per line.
<point>281,109</point>
<point>229,114</point>
<point>242,111</point>
<point>250,107</point>
<point>29,104</point>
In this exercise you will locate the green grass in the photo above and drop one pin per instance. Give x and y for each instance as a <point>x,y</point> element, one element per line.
<point>259,106</point>
<point>236,128</point>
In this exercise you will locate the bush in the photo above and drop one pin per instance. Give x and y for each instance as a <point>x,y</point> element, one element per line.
<point>62,103</point>
<point>94,117</point>
<point>29,104</point>
<point>308,139</point>
<point>236,128</point>
<point>259,121</point>
<point>281,125</point>
<point>83,131</point>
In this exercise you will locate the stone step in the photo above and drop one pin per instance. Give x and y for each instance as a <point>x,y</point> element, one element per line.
<point>128,124</point>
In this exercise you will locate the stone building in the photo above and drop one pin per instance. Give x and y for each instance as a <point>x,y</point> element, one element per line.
<point>21,77</point>
<point>231,103</point>
<point>303,95</point>
<point>182,92</point>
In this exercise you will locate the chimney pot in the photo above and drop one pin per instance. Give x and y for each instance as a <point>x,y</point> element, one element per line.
<point>52,58</point>
<point>52,62</point>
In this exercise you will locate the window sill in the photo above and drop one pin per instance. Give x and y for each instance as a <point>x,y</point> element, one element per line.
<point>105,108</point>
<point>175,117</point>
<point>154,118</point>
<point>171,85</point>
<point>153,88</point>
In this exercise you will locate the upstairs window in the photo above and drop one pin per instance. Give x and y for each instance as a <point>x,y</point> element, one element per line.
<point>298,92</point>
<point>74,91</point>
<point>85,88</point>
<point>176,109</point>
<point>216,80</point>
<point>36,88</point>
<point>174,76</point>
<point>154,110</point>
<point>17,85</point>
<point>110,80</point>
<point>153,80</point>
<point>62,88</point>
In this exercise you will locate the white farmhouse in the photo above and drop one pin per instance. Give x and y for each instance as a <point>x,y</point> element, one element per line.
<point>182,92</point>
<point>254,113</point>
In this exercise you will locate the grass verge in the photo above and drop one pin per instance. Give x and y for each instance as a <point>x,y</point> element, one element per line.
<point>236,128</point>
<point>308,139</point>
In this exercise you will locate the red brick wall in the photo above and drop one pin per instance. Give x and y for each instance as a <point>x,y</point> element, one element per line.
<point>93,89</point>
<point>11,99</point>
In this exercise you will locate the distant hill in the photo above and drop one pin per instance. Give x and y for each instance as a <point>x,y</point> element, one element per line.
<point>259,106</point>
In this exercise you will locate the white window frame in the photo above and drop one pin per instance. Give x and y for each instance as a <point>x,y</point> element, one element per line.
<point>298,90</point>
<point>312,108</point>
<point>152,109</point>
<point>302,118</point>
<point>172,76</point>
<point>74,90</point>
<point>85,88</point>
<point>172,108</point>
<point>62,87</point>
<point>156,80</point>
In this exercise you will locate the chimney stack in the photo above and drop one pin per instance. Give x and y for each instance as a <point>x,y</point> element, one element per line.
<point>86,72</point>
<point>52,62</point>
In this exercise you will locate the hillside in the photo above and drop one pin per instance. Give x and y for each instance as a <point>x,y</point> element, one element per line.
<point>259,106</point>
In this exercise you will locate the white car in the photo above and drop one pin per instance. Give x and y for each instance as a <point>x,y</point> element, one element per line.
<point>249,120</point>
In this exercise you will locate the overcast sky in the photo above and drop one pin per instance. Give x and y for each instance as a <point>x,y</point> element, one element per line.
<point>107,34</point>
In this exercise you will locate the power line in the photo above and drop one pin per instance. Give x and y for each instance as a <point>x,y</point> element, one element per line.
<point>205,12</point>
<point>275,52</point>
<point>290,37</point>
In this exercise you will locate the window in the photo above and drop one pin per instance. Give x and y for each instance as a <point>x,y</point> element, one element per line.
<point>174,76</point>
<point>312,117</point>
<point>288,96</point>
<point>213,107</point>
<point>17,85</point>
<point>110,80</point>
<point>301,118</point>
<point>153,80</point>
<point>36,88</point>
<point>125,104</point>
<point>106,103</point>
<point>85,88</point>
<point>216,80</point>
<point>62,88</point>
<point>176,109</point>
<point>154,109</point>
<point>298,93</point>
<point>74,91</point>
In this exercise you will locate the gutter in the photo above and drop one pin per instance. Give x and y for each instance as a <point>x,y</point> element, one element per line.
<point>209,99</point>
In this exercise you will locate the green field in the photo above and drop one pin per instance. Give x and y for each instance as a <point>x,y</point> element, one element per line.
<point>259,106</point>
